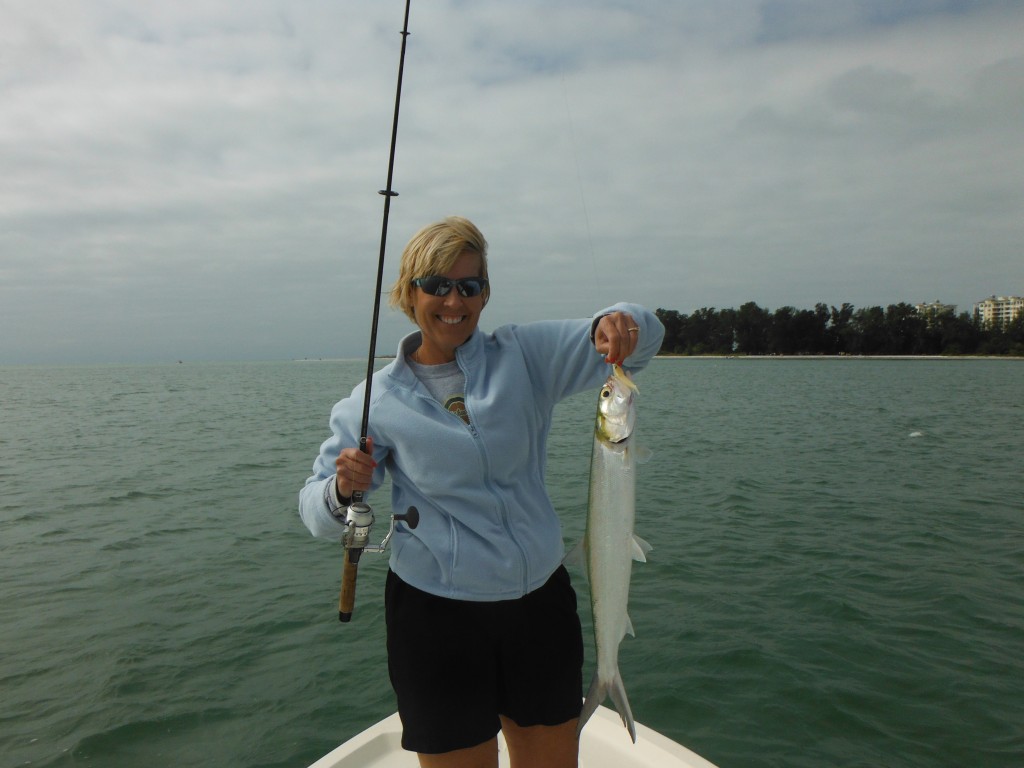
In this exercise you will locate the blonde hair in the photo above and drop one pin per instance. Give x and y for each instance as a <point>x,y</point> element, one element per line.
<point>433,251</point>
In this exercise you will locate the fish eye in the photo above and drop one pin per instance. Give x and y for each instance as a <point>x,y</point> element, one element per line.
<point>606,392</point>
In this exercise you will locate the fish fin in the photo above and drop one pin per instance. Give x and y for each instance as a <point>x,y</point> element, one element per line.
<point>598,693</point>
<point>595,696</point>
<point>640,549</point>
<point>575,556</point>
<point>642,454</point>
<point>628,630</point>
<point>618,694</point>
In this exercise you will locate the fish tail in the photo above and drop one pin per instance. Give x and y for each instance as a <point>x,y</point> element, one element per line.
<point>595,695</point>
<point>598,693</point>
<point>618,693</point>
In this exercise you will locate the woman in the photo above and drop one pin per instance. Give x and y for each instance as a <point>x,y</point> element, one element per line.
<point>482,629</point>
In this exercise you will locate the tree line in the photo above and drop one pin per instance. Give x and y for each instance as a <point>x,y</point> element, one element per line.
<point>899,329</point>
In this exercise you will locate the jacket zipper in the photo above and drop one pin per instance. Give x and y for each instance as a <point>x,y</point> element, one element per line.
<point>506,523</point>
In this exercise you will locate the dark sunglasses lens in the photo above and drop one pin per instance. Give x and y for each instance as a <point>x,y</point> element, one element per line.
<point>470,286</point>
<point>434,285</point>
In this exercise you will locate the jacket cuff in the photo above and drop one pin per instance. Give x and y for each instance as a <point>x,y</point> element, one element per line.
<point>336,505</point>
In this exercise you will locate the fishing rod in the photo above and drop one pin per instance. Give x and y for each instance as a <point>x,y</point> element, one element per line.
<point>359,515</point>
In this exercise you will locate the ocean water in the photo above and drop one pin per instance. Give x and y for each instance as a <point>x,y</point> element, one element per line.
<point>837,579</point>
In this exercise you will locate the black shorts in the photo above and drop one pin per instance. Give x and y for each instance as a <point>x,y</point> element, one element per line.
<point>456,665</point>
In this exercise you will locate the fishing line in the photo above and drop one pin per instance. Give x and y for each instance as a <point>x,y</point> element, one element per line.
<point>579,182</point>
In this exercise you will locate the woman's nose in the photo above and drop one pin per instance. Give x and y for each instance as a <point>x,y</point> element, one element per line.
<point>453,298</point>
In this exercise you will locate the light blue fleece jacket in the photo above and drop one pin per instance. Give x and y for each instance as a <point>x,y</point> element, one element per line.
<point>487,529</point>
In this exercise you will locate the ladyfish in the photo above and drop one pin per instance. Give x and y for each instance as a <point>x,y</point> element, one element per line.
<point>609,546</point>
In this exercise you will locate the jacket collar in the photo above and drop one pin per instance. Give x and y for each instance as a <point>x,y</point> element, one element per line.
<point>469,353</point>
<point>467,356</point>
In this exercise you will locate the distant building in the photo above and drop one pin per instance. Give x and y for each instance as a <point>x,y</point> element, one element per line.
<point>934,309</point>
<point>999,310</point>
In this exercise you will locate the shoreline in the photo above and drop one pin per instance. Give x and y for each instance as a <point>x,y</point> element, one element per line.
<point>837,357</point>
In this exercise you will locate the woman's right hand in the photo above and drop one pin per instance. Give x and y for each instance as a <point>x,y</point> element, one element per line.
<point>355,470</point>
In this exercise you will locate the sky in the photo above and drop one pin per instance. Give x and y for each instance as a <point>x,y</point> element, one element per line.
<point>198,180</point>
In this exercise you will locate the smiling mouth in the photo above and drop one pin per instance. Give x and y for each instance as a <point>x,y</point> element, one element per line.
<point>451,320</point>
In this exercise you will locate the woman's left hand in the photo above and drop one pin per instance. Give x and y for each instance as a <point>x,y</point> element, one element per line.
<point>616,336</point>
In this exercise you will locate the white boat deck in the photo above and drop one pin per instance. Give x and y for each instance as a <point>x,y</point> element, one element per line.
<point>605,744</point>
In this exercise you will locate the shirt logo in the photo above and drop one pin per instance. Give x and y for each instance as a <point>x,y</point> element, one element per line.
<point>457,404</point>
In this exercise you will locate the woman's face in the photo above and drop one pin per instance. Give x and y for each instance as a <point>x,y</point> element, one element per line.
<point>447,321</point>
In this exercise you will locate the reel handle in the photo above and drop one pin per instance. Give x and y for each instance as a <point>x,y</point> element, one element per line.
<point>411,517</point>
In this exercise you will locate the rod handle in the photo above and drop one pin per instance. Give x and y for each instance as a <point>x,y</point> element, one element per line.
<point>347,598</point>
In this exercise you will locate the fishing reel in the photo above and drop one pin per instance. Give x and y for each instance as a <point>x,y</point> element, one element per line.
<point>359,520</point>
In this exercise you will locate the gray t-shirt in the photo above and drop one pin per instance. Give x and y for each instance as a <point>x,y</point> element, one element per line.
<point>446,383</point>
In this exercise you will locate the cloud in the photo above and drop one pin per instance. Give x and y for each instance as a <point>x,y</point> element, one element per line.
<point>198,180</point>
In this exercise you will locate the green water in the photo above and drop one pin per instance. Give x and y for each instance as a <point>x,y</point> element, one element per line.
<point>838,574</point>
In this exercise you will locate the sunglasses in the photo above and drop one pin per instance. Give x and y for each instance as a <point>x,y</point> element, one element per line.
<point>436,285</point>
